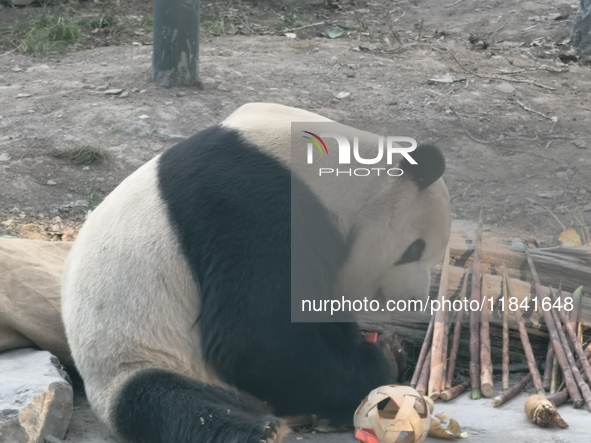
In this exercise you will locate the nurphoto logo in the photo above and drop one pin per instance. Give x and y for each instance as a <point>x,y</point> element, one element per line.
<point>386,146</point>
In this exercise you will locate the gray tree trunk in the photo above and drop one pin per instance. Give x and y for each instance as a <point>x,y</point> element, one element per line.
<point>581,33</point>
<point>175,57</point>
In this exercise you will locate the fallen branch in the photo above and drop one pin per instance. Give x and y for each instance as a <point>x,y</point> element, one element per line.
<point>533,111</point>
<point>505,79</point>
<point>304,27</point>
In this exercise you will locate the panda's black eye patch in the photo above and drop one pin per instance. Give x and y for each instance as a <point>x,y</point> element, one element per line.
<point>412,253</point>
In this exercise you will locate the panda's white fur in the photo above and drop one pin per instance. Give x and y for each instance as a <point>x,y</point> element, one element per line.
<point>130,298</point>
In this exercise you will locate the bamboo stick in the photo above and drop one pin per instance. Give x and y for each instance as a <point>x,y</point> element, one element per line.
<point>453,392</point>
<point>512,392</point>
<point>505,370</point>
<point>423,354</point>
<point>455,344</point>
<point>555,378</point>
<point>475,394</point>
<point>529,353</point>
<point>583,387</point>
<point>486,370</point>
<point>547,378</point>
<point>567,372</point>
<point>559,398</point>
<point>423,381</point>
<point>437,375</point>
<point>574,341</point>
<point>577,309</point>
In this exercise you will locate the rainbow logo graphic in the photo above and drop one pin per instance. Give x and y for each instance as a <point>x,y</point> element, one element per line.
<point>317,141</point>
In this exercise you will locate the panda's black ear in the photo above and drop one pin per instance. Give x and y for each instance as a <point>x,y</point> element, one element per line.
<point>430,165</point>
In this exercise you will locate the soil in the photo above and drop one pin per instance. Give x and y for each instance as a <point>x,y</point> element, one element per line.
<point>494,84</point>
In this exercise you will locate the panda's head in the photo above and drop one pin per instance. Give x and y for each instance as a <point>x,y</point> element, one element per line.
<point>401,234</point>
<point>397,229</point>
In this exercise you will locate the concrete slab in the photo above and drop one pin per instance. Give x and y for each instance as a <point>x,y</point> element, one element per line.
<point>483,423</point>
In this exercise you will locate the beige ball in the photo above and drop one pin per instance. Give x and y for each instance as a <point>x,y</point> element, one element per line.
<point>397,414</point>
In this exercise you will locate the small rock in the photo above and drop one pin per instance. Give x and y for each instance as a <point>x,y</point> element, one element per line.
<point>17,69</point>
<point>208,83</point>
<point>564,175</point>
<point>583,192</point>
<point>550,194</point>
<point>4,158</point>
<point>23,96</point>
<point>143,117</point>
<point>138,129</point>
<point>181,94</point>
<point>505,88</point>
<point>102,88</point>
<point>81,204</point>
<point>116,91</point>
<point>580,143</point>
<point>168,103</point>
<point>51,183</point>
<point>103,63</point>
<point>341,95</point>
<point>165,134</point>
<point>124,94</point>
<point>587,208</point>
<point>35,398</point>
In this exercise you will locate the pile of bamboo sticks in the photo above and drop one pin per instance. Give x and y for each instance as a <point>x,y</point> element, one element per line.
<point>567,372</point>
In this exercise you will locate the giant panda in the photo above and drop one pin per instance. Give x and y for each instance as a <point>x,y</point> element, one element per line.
<point>176,293</point>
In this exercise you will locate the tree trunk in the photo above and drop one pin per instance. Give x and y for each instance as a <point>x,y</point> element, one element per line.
<point>581,33</point>
<point>175,56</point>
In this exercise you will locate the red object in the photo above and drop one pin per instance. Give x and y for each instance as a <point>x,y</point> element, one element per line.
<point>366,435</point>
<point>371,337</point>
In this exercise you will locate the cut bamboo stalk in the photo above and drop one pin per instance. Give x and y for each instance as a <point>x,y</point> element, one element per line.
<point>529,353</point>
<point>512,392</point>
<point>423,381</point>
<point>437,376</point>
<point>583,387</point>
<point>567,373</point>
<point>548,367</point>
<point>559,398</point>
<point>505,370</point>
<point>423,354</point>
<point>453,392</point>
<point>475,393</point>
<point>445,350</point>
<point>574,341</point>
<point>486,370</point>
<point>577,309</point>
<point>555,378</point>
<point>455,344</point>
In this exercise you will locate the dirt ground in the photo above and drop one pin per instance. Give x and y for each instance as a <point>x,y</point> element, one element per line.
<point>494,84</point>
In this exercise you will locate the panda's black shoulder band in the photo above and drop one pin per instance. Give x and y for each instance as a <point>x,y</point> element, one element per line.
<point>429,168</point>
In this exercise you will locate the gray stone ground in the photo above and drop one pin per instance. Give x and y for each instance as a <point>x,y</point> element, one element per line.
<point>483,423</point>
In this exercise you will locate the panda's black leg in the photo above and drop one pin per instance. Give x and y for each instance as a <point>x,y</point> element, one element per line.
<point>157,406</point>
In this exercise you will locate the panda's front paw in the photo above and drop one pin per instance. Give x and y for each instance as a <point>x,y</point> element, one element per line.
<point>392,348</point>
<point>274,431</point>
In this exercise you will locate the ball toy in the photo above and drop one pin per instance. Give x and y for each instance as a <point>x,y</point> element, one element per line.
<point>393,414</point>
